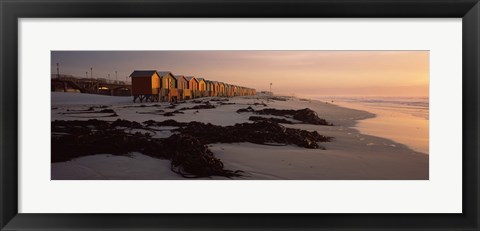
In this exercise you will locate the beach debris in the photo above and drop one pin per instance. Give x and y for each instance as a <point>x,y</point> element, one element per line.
<point>258,132</point>
<point>223,103</point>
<point>258,104</point>
<point>173,113</point>
<point>207,105</point>
<point>189,157</point>
<point>168,114</point>
<point>277,98</point>
<point>171,123</point>
<point>81,110</point>
<point>306,115</point>
<point>220,99</point>
<point>90,110</point>
<point>156,112</point>
<point>276,120</point>
<point>105,111</point>
<point>192,159</point>
<point>187,149</point>
<point>143,105</point>
<point>161,112</point>
<point>248,109</point>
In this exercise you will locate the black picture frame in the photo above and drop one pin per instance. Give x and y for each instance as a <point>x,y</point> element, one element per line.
<point>12,10</point>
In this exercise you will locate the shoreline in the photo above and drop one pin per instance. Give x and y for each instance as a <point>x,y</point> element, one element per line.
<point>351,155</point>
<point>397,126</point>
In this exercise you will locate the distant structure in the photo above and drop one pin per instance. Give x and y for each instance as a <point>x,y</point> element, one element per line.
<point>155,86</point>
<point>90,85</point>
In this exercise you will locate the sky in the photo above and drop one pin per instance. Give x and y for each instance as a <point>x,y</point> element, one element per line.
<point>299,73</point>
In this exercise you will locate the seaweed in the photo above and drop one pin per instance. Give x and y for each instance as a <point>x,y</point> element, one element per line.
<point>187,150</point>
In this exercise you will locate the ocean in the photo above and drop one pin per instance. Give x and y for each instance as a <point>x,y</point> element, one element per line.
<point>402,119</point>
<point>416,106</point>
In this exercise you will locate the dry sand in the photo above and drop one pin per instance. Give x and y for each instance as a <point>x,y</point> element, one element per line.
<point>350,156</point>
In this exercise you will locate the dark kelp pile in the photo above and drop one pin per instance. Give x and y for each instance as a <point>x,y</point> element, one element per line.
<point>91,110</point>
<point>306,115</point>
<point>219,100</point>
<point>207,105</point>
<point>261,132</point>
<point>173,113</point>
<point>143,105</point>
<point>276,120</point>
<point>187,149</point>
<point>189,157</point>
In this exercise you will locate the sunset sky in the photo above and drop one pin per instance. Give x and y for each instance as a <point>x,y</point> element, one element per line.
<point>302,73</point>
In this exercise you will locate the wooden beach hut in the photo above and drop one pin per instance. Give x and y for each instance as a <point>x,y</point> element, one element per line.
<point>168,91</point>
<point>227,89</point>
<point>221,88</point>
<point>210,88</point>
<point>234,90</point>
<point>145,85</point>
<point>193,86</point>
<point>216,88</point>
<point>182,87</point>
<point>230,90</point>
<point>202,87</point>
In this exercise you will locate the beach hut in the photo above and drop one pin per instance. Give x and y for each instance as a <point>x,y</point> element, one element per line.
<point>181,82</point>
<point>238,88</point>
<point>168,91</point>
<point>231,91</point>
<point>216,88</point>
<point>207,87</point>
<point>145,85</point>
<point>221,88</point>
<point>202,86</point>
<point>192,85</point>
<point>210,88</point>
<point>227,89</point>
<point>182,87</point>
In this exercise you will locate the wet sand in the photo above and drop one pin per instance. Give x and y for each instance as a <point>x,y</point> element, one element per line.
<point>398,125</point>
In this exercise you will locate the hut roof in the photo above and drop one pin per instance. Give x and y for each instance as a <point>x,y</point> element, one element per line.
<point>143,73</point>
<point>179,76</point>
<point>200,79</point>
<point>190,78</point>
<point>164,73</point>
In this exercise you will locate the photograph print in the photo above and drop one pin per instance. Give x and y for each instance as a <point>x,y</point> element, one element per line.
<point>240,115</point>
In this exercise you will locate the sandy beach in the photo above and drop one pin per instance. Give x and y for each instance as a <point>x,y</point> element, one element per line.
<point>351,155</point>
